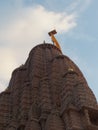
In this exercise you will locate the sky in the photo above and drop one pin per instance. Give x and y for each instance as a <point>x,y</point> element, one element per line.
<point>26,23</point>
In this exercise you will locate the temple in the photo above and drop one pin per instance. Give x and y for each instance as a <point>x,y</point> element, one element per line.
<point>48,92</point>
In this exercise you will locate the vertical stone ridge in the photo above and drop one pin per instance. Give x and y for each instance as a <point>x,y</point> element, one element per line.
<point>45,101</point>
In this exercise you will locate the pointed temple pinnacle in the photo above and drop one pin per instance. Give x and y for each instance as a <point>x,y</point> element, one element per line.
<point>48,92</point>
<point>51,34</point>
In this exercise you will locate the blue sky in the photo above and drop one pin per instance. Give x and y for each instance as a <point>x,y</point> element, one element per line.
<point>26,23</point>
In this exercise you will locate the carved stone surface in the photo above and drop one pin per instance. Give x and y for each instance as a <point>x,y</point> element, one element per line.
<point>48,92</point>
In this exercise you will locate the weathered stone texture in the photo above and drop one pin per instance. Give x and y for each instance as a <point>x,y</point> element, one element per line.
<point>48,92</point>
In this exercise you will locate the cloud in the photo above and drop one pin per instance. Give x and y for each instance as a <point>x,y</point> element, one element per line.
<point>7,64</point>
<point>23,30</point>
<point>33,23</point>
<point>7,60</point>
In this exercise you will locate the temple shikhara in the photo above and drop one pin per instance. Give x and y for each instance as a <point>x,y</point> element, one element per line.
<point>48,92</point>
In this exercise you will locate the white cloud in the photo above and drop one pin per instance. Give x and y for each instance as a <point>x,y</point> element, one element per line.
<point>7,64</point>
<point>2,85</point>
<point>34,23</point>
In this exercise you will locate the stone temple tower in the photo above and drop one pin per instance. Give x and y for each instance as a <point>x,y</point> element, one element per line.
<point>48,92</point>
